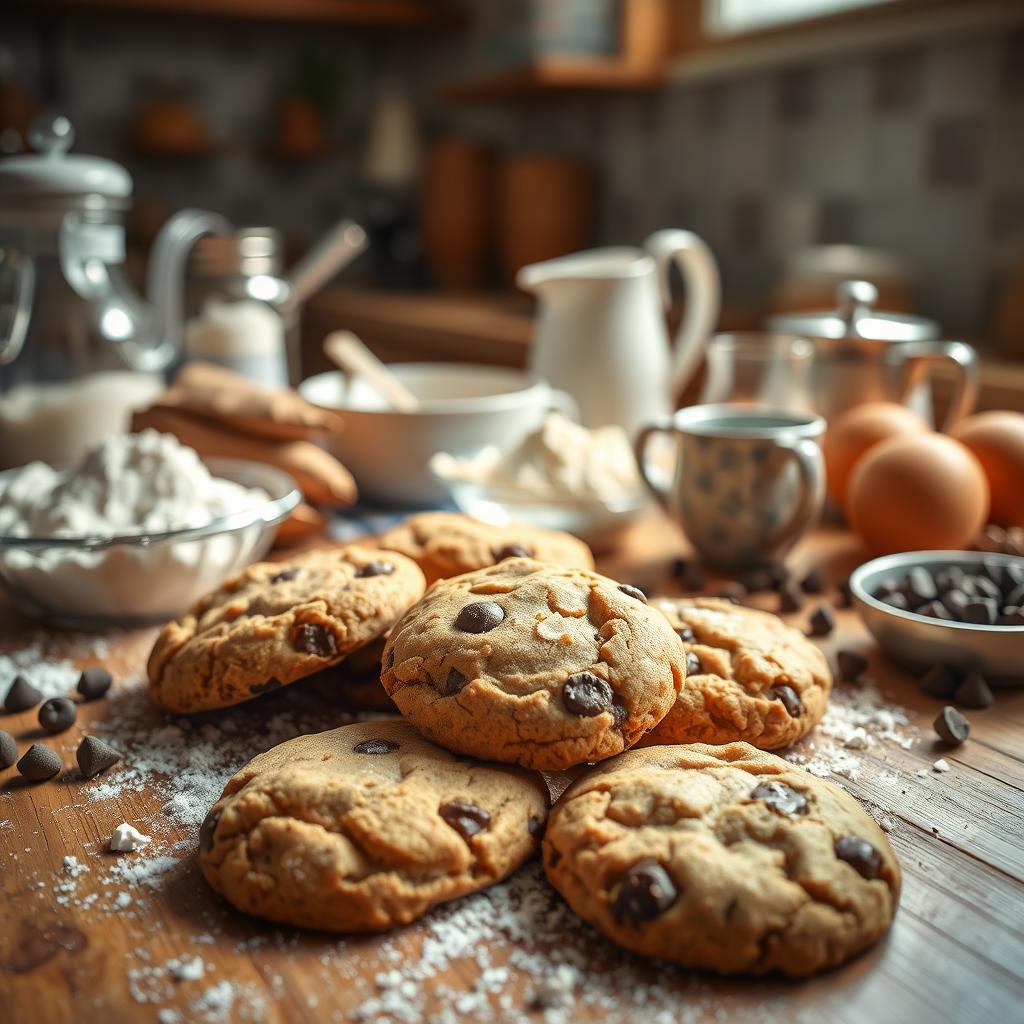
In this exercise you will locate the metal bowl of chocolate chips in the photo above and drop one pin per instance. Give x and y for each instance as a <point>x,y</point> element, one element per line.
<point>964,609</point>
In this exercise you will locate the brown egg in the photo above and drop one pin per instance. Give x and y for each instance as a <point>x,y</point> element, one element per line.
<point>852,434</point>
<point>997,440</point>
<point>916,493</point>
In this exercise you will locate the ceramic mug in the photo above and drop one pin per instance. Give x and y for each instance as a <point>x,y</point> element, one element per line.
<point>745,482</point>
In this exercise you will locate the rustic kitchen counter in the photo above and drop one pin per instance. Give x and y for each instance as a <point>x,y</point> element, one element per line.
<point>139,936</point>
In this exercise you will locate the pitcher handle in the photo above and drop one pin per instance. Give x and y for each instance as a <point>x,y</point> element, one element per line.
<point>919,356</point>
<point>700,274</point>
<point>13,337</point>
<point>660,488</point>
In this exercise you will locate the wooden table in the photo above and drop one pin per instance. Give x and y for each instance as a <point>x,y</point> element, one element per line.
<point>956,950</point>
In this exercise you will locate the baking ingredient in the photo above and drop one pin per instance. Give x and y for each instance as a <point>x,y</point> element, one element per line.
<point>997,441</point>
<point>127,838</point>
<point>985,598</point>
<point>939,681</point>
<point>823,621</point>
<point>95,756</point>
<point>813,582</point>
<point>558,462</point>
<point>851,435</point>
<point>852,665</point>
<point>914,493</point>
<point>94,682</point>
<point>246,336</point>
<point>21,696</point>
<point>974,692</point>
<point>951,727</point>
<point>8,749</point>
<point>57,714</point>
<point>791,598</point>
<point>39,763</point>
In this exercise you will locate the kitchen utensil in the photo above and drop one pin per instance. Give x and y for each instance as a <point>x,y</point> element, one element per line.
<point>919,642</point>
<point>331,254</point>
<point>137,579</point>
<point>601,333</point>
<point>746,482</point>
<point>862,354</point>
<point>353,358</point>
<point>754,368</point>
<point>463,407</point>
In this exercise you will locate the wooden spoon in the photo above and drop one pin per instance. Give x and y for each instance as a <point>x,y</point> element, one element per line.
<point>353,358</point>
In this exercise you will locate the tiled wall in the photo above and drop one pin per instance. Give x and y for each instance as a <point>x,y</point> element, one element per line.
<point>919,150</point>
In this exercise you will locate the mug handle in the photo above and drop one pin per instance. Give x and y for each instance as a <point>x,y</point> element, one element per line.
<point>919,356</point>
<point>660,488</point>
<point>807,455</point>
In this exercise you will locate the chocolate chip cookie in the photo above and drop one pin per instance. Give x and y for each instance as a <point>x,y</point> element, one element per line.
<point>445,544</point>
<point>278,622</point>
<point>749,677</point>
<point>366,827</point>
<point>534,664</point>
<point>723,858</point>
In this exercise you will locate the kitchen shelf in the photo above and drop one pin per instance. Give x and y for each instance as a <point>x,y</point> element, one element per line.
<point>367,13</point>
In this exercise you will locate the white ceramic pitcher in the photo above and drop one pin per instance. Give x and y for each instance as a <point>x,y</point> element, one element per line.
<point>601,333</point>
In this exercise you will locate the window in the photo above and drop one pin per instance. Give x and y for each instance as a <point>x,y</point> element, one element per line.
<point>732,17</point>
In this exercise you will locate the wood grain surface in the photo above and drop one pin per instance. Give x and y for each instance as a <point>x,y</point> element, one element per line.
<point>955,952</point>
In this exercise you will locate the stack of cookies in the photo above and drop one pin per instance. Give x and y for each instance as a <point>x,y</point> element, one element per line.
<point>697,846</point>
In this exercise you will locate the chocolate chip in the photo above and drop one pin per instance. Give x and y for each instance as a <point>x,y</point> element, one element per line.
<point>39,763</point>
<point>974,692</point>
<point>939,682</point>
<point>632,591</point>
<point>757,581</point>
<point>813,582</point>
<point>285,575</point>
<point>919,587</point>
<point>1011,616</point>
<point>686,634</point>
<point>312,638</point>
<point>511,551</point>
<point>8,749</point>
<point>934,610</point>
<point>896,600</point>
<point>94,682</point>
<point>949,579</point>
<point>454,682</point>
<point>480,617</point>
<point>208,828</point>
<point>823,621</point>
<point>677,570</point>
<point>851,665</point>
<point>467,819</point>
<point>57,714</point>
<point>645,892</point>
<point>790,699</point>
<point>619,712</point>
<point>953,601</point>
<point>984,587</point>
<point>586,695</point>
<point>951,726</point>
<point>693,665</point>
<point>791,599</point>
<point>782,799</point>
<point>860,855</point>
<point>1015,597</point>
<point>734,592</point>
<point>375,747</point>
<point>95,756</point>
<point>21,696</point>
<point>780,574</point>
<point>981,611</point>
<point>389,659</point>
<point>374,569</point>
<point>694,577</point>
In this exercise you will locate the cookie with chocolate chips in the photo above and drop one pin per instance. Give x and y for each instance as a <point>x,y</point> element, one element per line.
<point>445,544</point>
<point>277,623</point>
<point>365,828</point>
<point>723,858</point>
<point>749,677</point>
<point>534,664</point>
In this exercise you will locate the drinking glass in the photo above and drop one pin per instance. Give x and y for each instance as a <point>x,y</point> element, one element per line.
<point>758,368</point>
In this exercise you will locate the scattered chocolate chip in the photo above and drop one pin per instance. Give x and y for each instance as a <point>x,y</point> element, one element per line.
<point>677,568</point>
<point>94,682</point>
<point>586,695</point>
<point>813,582</point>
<point>939,682</point>
<point>782,799</point>
<point>981,611</point>
<point>693,665</point>
<point>21,696</point>
<point>467,819</point>
<point>480,617</point>
<point>934,610</point>
<point>8,749</point>
<point>57,714</point>
<point>757,581</point>
<point>208,828</point>
<point>791,598</point>
<point>645,892</point>
<point>39,763</point>
<point>851,665</point>
<point>780,574</point>
<point>686,634</point>
<point>95,756</point>
<point>631,591</point>
<point>511,551</point>
<point>454,682</point>
<point>734,592</point>
<point>823,621</point>
<point>375,568</point>
<point>285,574</point>
<point>974,692</point>
<point>951,726</point>
<point>789,698</point>
<point>312,638</point>
<point>375,747</point>
<point>860,855</point>
<point>919,587</point>
<point>694,577</point>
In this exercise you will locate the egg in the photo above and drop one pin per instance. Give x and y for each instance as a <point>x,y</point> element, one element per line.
<point>859,429</point>
<point>997,440</point>
<point>916,493</point>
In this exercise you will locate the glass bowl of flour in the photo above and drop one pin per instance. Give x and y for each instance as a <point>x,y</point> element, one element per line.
<point>135,533</point>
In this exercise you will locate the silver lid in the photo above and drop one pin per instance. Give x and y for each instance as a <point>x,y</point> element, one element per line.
<point>249,252</point>
<point>856,317</point>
